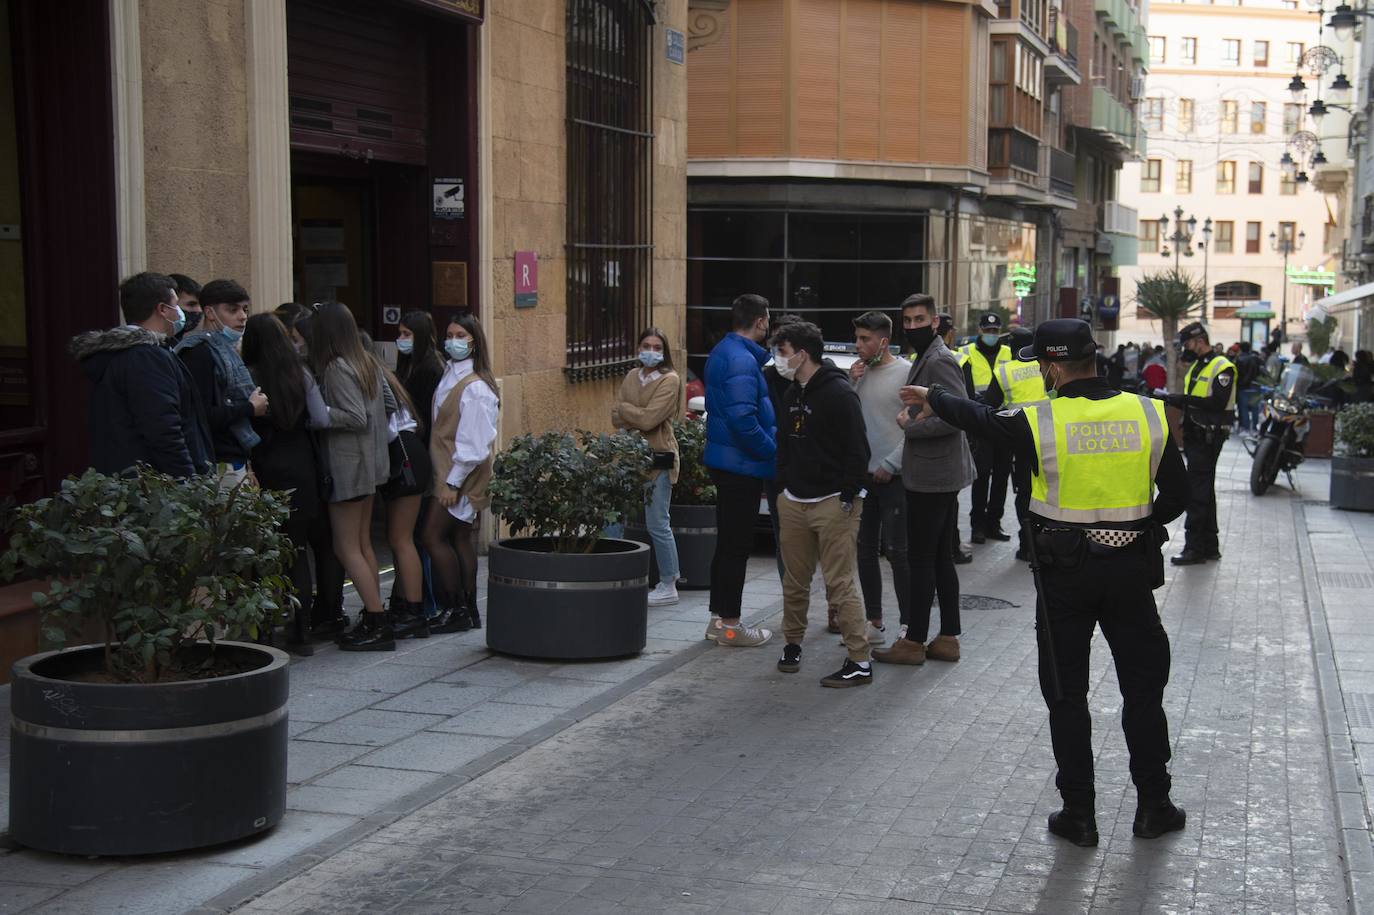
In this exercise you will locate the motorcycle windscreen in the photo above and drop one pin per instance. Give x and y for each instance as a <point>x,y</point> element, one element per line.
<point>1295,382</point>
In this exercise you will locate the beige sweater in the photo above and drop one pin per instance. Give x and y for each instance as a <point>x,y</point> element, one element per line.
<point>650,409</point>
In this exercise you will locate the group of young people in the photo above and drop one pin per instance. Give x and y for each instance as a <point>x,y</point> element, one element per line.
<point>298,400</point>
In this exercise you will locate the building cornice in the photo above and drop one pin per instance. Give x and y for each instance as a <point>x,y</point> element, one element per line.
<point>1234,12</point>
<point>838,170</point>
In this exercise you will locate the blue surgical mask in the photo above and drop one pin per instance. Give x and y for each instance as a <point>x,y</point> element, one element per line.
<point>180,323</point>
<point>234,335</point>
<point>650,358</point>
<point>405,345</point>
<point>458,350</point>
<point>989,339</point>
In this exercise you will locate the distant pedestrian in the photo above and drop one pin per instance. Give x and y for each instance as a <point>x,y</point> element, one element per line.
<point>993,463</point>
<point>410,478</point>
<point>822,461</point>
<point>1249,367</point>
<point>144,406</point>
<point>1298,357</point>
<point>650,398</point>
<point>419,364</point>
<point>741,448</point>
<point>777,393</point>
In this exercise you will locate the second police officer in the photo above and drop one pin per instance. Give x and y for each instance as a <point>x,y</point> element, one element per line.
<point>1096,455</point>
<point>992,461</point>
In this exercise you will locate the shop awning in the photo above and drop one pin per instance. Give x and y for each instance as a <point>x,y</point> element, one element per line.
<point>1254,313</point>
<point>1350,298</point>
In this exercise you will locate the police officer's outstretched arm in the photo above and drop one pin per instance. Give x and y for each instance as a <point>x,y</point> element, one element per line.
<point>1004,428</point>
<point>1172,482</point>
<point>1217,401</point>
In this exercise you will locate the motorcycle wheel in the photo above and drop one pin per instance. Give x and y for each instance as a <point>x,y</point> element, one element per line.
<point>1265,468</point>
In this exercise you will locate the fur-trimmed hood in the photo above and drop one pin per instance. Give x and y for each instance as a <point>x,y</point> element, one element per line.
<point>95,349</point>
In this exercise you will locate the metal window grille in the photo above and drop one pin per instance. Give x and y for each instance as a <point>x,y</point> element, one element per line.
<point>610,184</point>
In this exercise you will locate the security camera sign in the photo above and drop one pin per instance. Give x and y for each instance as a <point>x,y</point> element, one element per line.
<point>450,200</point>
<point>391,314</point>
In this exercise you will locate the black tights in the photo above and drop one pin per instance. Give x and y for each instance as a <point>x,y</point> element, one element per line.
<point>452,550</point>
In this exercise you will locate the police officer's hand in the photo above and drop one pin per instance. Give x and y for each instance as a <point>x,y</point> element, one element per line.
<point>857,370</point>
<point>914,395</point>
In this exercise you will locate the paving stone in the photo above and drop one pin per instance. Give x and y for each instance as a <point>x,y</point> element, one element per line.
<point>372,727</point>
<point>432,752</point>
<point>557,692</point>
<point>162,888</point>
<point>499,719</point>
<point>439,699</point>
<point>307,760</point>
<point>325,703</point>
<point>19,897</point>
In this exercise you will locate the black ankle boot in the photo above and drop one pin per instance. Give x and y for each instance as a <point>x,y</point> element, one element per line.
<point>474,617</point>
<point>373,633</point>
<point>328,625</point>
<point>1077,825</point>
<point>408,620</point>
<point>451,619</point>
<point>1153,819</point>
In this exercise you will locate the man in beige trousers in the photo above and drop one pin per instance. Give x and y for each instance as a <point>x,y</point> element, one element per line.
<point>822,459</point>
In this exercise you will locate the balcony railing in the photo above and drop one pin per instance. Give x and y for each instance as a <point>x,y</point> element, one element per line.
<point>1060,168</point>
<point>1120,219</point>
<point>1063,36</point>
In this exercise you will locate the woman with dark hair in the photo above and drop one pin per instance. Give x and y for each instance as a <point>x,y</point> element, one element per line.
<point>419,365</point>
<point>291,314</point>
<point>285,458</point>
<point>462,439</point>
<point>650,399</point>
<point>355,451</point>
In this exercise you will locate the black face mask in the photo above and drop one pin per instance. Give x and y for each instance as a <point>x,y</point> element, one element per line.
<point>1188,356</point>
<point>918,338</point>
<point>192,320</point>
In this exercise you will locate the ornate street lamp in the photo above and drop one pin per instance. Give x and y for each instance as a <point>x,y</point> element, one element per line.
<point>1286,246</point>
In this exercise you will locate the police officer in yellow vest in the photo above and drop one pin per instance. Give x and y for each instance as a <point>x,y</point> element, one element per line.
<point>1209,407</point>
<point>993,462</point>
<point>1017,383</point>
<point>1097,455</point>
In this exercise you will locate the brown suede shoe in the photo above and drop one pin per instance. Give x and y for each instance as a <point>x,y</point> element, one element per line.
<point>943,648</point>
<point>903,651</point>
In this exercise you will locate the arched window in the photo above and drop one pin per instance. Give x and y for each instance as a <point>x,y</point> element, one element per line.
<point>610,186</point>
<point>1236,289</point>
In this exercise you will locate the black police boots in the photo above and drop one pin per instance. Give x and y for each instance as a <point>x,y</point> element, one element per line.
<point>372,633</point>
<point>1077,824</point>
<point>1191,557</point>
<point>408,620</point>
<point>1154,818</point>
<point>994,531</point>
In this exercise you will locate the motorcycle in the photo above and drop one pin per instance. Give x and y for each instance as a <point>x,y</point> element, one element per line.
<point>1284,424</point>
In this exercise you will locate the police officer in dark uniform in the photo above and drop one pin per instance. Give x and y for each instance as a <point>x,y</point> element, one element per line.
<point>1209,407</point>
<point>1096,525</point>
<point>993,462</point>
<point>1017,383</point>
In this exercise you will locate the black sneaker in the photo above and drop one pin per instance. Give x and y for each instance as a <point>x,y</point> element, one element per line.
<point>851,674</point>
<point>790,662</point>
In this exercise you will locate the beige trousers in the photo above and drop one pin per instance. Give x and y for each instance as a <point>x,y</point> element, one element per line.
<point>812,532</point>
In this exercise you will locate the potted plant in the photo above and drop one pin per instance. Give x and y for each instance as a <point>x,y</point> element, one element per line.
<point>559,589</point>
<point>1172,296</point>
<point>165,736</point>
<point>692,513</point>
<point>1352,467</point>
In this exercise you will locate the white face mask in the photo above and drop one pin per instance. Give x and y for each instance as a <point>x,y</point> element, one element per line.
<point>785,368</point>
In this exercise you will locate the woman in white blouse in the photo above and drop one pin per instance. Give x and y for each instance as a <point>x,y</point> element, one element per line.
<point>461,446</point>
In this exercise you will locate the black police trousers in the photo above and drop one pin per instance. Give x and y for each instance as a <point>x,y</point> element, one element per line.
<point>1112,591</point>
<point>1200,530</point>
<point>990,487</point>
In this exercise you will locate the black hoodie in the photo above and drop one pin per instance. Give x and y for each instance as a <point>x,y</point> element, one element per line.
<point>144,408</point>
<point>822,443</point>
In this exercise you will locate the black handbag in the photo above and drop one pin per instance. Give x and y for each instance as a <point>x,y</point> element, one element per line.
<point>401,471</point>
<point>664,460</point>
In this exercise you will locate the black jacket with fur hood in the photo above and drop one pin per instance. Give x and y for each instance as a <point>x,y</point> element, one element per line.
<point>144,406</point>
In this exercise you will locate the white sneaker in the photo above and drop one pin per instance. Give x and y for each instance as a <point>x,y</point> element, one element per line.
<point>901,633</point>
<point>743,636</point>
<point>713,628</point>
<point>663,594</point>
<point>877,635</point>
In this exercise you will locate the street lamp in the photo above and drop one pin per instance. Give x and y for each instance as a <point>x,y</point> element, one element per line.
<point>1286,246</point>
<point>1205,246</point>
<point>1182,236</point>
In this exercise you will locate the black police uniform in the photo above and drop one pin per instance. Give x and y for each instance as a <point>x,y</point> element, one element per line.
<point>1206,424</point>
<point>995,398</point>
<point>1087,586</point>
<point>993,464</point>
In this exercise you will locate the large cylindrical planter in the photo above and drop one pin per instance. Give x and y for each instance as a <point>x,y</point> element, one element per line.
<point>694,532</point>
<point>576,606</point>
<point>134,769</point>
<point>1352,483</point>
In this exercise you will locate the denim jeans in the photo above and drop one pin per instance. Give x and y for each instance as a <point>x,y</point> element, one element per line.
<point>1248,401</point>
<point>659,526</point>
<point>882,528</point>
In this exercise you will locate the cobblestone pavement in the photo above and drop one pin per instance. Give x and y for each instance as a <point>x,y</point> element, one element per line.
<point>703,780</point>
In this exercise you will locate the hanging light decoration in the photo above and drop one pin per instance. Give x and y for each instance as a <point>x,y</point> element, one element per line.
<point>1297,87</point>
<point>1343,21</point>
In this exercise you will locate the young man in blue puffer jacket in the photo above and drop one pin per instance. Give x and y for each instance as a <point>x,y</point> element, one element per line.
<point>741,446</point>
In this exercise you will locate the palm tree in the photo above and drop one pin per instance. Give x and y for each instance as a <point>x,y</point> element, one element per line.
<point>1172,296</point>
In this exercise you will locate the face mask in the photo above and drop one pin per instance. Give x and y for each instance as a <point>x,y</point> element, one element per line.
<point>1188,356</point>
<point>192,321</point>
<point>458,350</point>
<point>650,358</point>
<point>234,335</point>
<point>1050,391</point>
<point>920,337</point>
<point>785,368</point>
<point>989,339</point>
<point>180,323</point>
<point>405,345</point>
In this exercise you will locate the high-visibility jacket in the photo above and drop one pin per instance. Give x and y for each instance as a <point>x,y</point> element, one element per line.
<point>1097,458</point>
<point>1200,379</point>
<point>982,369</point>
<point>1021,383</point>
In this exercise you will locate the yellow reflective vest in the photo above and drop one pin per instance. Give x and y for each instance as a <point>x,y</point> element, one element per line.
<point>1021,383</point>
<point>1200,379</point>
<point>982,370</point>
<point>1097,458</point>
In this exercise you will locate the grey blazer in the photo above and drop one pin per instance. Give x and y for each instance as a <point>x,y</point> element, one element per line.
<point>935,457</point>
<point>355,445</point>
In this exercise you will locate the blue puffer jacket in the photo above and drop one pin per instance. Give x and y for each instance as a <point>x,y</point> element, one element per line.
<point>740,426</point>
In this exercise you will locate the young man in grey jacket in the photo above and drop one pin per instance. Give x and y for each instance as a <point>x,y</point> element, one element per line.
<point>936,464</point>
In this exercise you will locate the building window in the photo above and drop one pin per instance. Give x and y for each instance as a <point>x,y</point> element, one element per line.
<point>1226,177</point>
<point>1287,185</point>
<point>1149,236</point>
<point>1235,294</point>
<point>1153,115</point>
<point>1295,49</point>
<point>1000,86</point>
<point>1292,118</point>
<point>1259,113</point>
<point>1256,178</point>
<point>1189,50</point>
<point>1183,177</point>
<point>1252,238</point>
<point>1230,116</point>
<point>1230,51</point>
<point>1261,53</point>
<point>1225,237</point>
<point>610,59</point>
<point>1150,174</point>
<point>1185,115</point>
<point>1157,44</point>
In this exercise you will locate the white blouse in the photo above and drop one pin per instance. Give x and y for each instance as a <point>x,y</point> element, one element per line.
<point>479,411</point>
